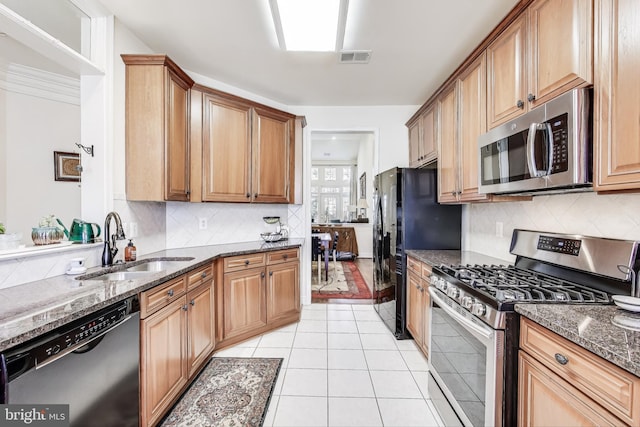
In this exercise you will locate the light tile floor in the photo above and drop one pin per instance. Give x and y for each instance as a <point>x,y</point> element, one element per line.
<point>343,367</point>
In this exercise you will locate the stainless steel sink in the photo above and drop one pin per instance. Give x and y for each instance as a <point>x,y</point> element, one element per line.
<point>122,275</point>
<point>158,265</point>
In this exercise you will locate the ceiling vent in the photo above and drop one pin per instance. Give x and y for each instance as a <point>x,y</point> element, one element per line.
<point>355,56</point>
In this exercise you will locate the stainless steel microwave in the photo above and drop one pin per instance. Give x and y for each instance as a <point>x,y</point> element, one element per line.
<point>548,148</point>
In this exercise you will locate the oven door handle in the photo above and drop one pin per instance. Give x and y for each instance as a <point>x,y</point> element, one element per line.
<point>531,149</point>
<point>485,332</point>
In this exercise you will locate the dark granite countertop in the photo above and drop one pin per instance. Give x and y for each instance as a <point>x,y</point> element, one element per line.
<point>32,309</point>
<point>438,257</point>
<point>607,331</point>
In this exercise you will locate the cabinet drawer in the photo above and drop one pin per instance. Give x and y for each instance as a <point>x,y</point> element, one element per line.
<point>414,266</point>
<point>199,276</point>
<point>156,298</point>
<point>611,386</point>
<point>426,271</point>
<point>243,262</point>
<point>282,256</point>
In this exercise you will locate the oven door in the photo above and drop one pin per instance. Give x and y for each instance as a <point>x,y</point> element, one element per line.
<point>465,360</point>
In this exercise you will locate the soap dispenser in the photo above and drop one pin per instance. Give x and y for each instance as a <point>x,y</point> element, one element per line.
<point>130,252</point>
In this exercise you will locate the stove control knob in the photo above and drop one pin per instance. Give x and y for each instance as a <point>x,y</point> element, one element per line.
<point>453,292</point>
<point>478,309</point>
<point>467,302</point>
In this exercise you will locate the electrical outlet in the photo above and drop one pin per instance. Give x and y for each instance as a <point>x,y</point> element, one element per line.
<point>133,229</point>
<point>499,229</point>
<point>202,223</point>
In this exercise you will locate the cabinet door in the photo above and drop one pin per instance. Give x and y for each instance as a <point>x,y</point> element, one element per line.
<point>226,146</point>
<point>616,94</point>
<point>283,291</point>
<point>414,144</point>
<point>163,355</point>
<point>547,400</point>
<point>177,161</point>
<point>473,123</point>
<point>272,140</point>
<point>415,310</point>
<point>506,74</point>
<point>426,316</point>
<point>448,147</point>
<point>244,302</point>
<point>429,143</point>
<point>200,325</point>
<point>560,47</point>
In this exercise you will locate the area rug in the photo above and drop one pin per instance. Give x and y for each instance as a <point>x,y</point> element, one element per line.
<point>347,283</point>
<point>229,392</point>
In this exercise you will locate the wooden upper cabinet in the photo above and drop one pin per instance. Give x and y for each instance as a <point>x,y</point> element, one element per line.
<point>248,150</point>
<point>545,52</point>
<point>506,71</point>
<point>157,129</point>
<point>226,150</point>
<point>273,143</point>
<point>616,94</point>
<point>447,146</point>
<point>472,123</point>
<point>423,147</point>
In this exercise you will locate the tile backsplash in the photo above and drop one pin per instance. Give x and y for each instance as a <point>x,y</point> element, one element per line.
<point>612,216</point>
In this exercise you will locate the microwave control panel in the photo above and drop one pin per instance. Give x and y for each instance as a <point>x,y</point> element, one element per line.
<point>560,129</point>
<point>558,245</point>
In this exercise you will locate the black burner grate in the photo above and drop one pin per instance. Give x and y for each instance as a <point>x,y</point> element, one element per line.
<point>513,284</point>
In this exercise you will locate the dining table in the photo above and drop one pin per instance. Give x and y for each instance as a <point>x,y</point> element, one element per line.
<point>325,238</point>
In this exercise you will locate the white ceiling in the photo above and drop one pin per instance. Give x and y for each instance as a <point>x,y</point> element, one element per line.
<point>337,146</point>
<point>416,45</point>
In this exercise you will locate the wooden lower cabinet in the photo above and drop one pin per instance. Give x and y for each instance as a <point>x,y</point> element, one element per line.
<point>563,384</point>
<point>175,342</point>
<point>244,302</point>
<point>545,399</point>
<point>259,292</point>
<point>419,303</point>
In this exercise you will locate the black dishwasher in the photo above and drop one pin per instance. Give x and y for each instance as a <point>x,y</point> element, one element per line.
<point>91,364</point>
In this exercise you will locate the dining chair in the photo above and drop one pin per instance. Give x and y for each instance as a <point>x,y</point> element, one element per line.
<point>333,253</point>
<point>316,254</point>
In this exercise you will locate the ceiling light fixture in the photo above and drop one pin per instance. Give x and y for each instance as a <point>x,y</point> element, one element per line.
<point>310,25</point>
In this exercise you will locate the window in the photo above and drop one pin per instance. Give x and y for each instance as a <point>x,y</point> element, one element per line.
<point>332,192</point>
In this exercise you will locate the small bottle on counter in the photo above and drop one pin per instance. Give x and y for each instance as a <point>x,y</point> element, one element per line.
<point>130,252</point>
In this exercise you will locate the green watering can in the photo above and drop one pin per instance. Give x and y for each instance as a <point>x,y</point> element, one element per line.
<point>81,232</point>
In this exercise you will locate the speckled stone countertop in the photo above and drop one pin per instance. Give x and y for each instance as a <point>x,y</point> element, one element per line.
<point>606,330</point>
<point>438,257</point>
<point>32,309</point>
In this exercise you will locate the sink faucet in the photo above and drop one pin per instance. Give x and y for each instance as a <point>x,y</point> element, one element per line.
<point>110,249</point>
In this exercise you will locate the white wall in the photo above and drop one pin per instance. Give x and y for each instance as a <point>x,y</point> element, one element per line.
<point>611,216</point>
<point>365,165</point>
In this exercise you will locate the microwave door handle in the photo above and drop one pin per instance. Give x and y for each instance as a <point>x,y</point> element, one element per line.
<point>549,133</point>
<point>531,150</point>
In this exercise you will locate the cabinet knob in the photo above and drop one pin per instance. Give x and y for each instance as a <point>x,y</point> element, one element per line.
<point>248,195</point>
<point>185,307</point>
<point>255,196</point>
<point>204,274</point>
<point>262,274</point>
<point>285,256</point>
<point>246,262</point>
<point>192,302</point>
<point>561,359</point>
<point>170,292</point>
<point>453,193</point>
<point>270,273</point>
<point>531,97</point>
<point>520,104</point>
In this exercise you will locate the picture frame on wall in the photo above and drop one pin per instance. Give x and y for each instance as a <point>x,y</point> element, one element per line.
<point>66,166</point>
<point>363,186</point>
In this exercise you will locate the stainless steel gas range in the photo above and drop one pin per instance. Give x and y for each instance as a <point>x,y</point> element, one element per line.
<point>474,328</point>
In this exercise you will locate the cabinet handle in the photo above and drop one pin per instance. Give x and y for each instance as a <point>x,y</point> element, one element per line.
<point>563,360</point>
<point>248,195</point>
<point>531,97</point>
<point>255,196</point>
<point>246,262</point>
<point>188,193</point>
<point>285,256</point>
<point>453,193</point>
<point>204,274</point>
<point>170,293</point>
<point>262,274</point>
<point>192,302</point>
<point>270,273</point>
<point>185,307</point>
<point>520,104</point>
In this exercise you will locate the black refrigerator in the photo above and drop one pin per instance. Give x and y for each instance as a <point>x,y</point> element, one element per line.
<point>406,215</point>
